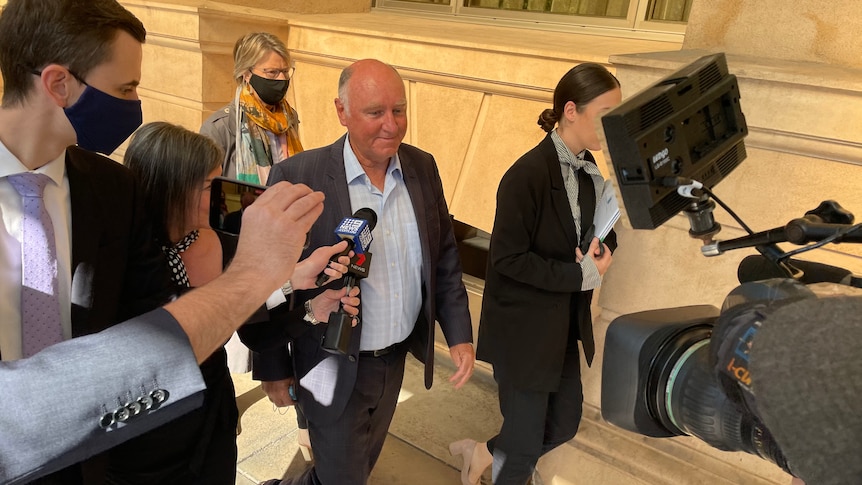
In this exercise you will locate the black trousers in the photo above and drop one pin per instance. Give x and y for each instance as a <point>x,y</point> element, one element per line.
<point>535,422</point>
<point>346,450</point>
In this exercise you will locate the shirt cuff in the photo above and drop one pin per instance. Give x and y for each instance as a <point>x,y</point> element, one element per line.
<point>275,299</point>
<point>591,279</point>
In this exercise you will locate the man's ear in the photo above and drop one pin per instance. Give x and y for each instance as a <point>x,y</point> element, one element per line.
<point>59,85</point>
<point>341,112</point>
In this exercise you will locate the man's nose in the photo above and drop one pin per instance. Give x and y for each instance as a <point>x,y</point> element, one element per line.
<point>389,123</point>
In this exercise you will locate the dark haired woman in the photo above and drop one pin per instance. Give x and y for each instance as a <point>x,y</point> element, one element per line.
<point>176,168</point>
<point>539,284</point>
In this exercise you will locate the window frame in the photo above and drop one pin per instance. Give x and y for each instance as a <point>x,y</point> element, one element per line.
<point>633,25</point>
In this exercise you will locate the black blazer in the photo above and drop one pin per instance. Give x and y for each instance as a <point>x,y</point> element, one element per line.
<point>444,295</point>
<point>533,296</point>
<point>118,271</point>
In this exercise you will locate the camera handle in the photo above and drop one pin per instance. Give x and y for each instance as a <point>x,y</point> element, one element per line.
<point>829,222</point>
<point>816,226</point>
<point>704,227</point>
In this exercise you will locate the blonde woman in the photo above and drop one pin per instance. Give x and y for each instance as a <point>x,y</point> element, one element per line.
<point>258,128</point>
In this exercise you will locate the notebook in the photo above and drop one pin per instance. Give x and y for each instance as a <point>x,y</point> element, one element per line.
<point>607,211</point>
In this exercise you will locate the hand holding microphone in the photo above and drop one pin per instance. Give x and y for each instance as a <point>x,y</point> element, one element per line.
<point>331,261</point>
<point>356,231</point>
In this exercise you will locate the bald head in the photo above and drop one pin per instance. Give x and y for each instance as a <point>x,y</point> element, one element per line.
<point>247,199</point>
<point>365,68</point>
<point>376,116</point>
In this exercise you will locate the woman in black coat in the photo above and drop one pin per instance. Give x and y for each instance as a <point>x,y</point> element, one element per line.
<point>539,283</point>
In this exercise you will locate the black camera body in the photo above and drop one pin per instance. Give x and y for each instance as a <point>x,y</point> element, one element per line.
<point>691,370</point>
<point>686,370</point>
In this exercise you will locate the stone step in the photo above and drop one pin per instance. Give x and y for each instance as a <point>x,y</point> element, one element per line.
<point>426,421</point>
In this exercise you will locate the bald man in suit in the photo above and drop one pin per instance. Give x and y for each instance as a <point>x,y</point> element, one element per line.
<point>414,280</point>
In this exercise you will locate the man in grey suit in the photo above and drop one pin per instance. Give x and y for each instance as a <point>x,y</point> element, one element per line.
<point>70,72</point>
<point>414,280</point>
<point>78,398</point>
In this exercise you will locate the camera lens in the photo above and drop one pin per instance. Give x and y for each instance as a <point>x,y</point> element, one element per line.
<point>659,380</point>
<point>670,363</point>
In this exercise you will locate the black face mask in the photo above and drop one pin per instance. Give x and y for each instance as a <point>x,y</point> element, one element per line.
<point>270,91</point>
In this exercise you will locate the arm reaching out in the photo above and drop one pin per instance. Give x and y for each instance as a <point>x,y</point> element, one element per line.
<point>275,224</point>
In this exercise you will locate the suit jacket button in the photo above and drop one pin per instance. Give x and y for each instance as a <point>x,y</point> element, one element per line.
<point>122,413</point>
<point>134,408</point>
<point>146,402</point>
<point>159,396</point>
<point>351,358</point>
<point>107,420</point>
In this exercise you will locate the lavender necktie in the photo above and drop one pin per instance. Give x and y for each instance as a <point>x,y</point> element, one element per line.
<point>40,304</point>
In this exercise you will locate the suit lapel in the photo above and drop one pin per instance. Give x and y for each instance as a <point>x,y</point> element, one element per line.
<point>336,180</point>
<point>86,230</point>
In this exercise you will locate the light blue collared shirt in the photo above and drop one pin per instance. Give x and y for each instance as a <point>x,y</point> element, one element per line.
<point>392,293</point>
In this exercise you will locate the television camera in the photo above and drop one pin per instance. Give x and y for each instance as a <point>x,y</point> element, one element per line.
<point>686,370</point>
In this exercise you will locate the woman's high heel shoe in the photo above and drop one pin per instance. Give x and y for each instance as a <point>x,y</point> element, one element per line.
<point>476,459</point>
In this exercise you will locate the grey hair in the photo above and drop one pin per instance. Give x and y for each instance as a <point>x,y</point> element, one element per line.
<point>342,85</point>
<point>171,163</point>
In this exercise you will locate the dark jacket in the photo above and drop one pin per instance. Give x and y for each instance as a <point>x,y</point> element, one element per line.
<point>321,373</point>
<point>533,296</point>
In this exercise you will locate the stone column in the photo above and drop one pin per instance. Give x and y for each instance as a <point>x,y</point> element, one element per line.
<point>822,31</point>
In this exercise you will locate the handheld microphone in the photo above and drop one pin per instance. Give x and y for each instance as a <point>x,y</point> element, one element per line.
<point>340,323</point>
<point>356,230</point>
<point>359,265</point>
<point>340,328</point>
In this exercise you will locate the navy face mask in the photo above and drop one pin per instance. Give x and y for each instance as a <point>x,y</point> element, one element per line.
<point>101,121</point>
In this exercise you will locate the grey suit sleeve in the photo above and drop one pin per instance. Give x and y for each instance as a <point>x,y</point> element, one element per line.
<point>53,404</point>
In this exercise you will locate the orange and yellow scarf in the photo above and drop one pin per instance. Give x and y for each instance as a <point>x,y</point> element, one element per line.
<point>264,137</point>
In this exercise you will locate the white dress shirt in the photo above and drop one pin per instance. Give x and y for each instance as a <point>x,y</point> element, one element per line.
<point>392,292</point>
<point>58,204</point>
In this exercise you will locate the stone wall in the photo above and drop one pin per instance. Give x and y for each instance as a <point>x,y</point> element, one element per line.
<point>823,31</point>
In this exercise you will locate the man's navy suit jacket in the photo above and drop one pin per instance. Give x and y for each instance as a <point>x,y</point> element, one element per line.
<point>326,380</point>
